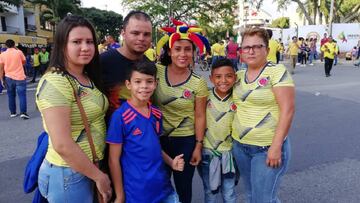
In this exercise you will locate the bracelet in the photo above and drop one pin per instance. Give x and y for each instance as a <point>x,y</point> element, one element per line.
<point>199,141</point>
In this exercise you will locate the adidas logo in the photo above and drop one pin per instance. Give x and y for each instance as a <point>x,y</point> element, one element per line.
<point>137,131</point>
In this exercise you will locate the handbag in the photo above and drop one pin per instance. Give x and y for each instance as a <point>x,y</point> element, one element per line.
<point>88,134</point>
<point>30,182</point>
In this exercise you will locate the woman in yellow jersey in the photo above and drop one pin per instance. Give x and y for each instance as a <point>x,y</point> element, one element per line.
<point>181,96</point>
<point>67,173</point>
<point>264,95</point>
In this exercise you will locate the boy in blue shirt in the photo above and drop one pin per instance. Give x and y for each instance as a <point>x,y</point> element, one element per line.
<point>217,168</point>
<point>136,160</point>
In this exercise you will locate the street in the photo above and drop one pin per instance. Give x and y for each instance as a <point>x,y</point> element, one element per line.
<point>325,164</point>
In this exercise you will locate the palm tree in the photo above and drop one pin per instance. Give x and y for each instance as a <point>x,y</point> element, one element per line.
<point>10,2</point>
<point>54,10</point>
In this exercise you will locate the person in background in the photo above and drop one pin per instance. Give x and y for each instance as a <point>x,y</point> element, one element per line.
<point>44,60</point>
<point>312,51</point>
<point>68,174</point>
<point>265,97</point>
<point>28,64</point>
<point>324,40</point>
<point>281,51</point>
<point>293,51</point>
<point>111,43</point>
<point>102,47</point>
<point>337,53</point>
<point>232,53</point>
<point>11,66</point>
<point>273,47</point>
<point>217,51</point>
<point>330,50</point>
<point>36,64</point>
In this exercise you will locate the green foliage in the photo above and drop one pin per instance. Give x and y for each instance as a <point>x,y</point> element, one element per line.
<point>57,9</point>
<point>282,22</point>
<point>105,22</point>
<point>4,3</point>
<point>214,16</point>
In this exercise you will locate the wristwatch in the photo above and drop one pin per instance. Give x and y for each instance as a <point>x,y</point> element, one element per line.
<point>199,141</point>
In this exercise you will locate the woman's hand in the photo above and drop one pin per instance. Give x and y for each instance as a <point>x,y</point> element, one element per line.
<point>196,155</point>
<point>103,185</point>
<point>178,163</point>
<point>120,199</point>
<point>274,157</point>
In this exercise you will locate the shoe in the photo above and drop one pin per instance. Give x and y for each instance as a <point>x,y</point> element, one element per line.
<point>33,81</point>
<point>24,116</point>
<point>297,64</point>
<point>311,64</point>
<point>13,115</point>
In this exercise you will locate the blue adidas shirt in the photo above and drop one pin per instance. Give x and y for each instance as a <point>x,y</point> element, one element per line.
<point>144,175</point>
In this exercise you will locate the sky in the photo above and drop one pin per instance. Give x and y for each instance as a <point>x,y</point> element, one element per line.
<point>115,5</point>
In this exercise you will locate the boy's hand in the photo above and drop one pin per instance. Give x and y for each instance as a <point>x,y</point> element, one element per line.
<point>178,163</point>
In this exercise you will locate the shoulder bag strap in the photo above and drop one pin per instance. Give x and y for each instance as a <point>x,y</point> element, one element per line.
<point>86,124</point>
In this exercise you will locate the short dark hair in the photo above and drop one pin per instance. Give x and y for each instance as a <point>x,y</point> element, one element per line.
<point>270,33</point>
<point>143,66</point>
<point>9,43</point>
<point>220,63</point>
<point>58,58</point>
<point>139,15</point>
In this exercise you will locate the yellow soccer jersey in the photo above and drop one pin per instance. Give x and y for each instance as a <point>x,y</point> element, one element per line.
<point>177,102</point>
<point>258,112</point>
<point>293,49</point>
<point>273,46</point>
<point>219,118</point>
<point>54,90</point>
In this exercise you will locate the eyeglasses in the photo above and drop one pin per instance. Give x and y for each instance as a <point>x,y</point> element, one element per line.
<point>255,48</point>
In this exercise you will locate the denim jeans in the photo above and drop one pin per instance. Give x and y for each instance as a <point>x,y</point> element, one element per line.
<point>63,184</point>
<point>311,57</point>
<point>13,87</point>
<point>227,182</point>
<point>260,181</point>
<point>1,88</point>
<point>172,198</point>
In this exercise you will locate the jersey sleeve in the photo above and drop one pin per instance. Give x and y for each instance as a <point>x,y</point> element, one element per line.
<point>202,89</point>
<point>54,90</point>
<point>115,131</point>
<point>280,77</point>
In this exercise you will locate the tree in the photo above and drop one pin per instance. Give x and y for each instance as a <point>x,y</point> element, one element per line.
<point>54,10</point>
<point>4,3</point>
<point>282,22</point>
<point>105,22</point>
<point>211,15</point>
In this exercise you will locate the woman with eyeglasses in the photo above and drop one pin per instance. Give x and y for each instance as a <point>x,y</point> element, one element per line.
<point>264,95</point>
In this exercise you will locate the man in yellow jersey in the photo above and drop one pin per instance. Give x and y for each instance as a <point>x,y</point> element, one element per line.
<point>330,50</point>
<point>218,51</point>
<point>293,50</point>
<point>273,47</point>
<point>35,64</point>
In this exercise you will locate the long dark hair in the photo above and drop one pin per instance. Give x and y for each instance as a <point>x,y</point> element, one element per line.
<point>58,58</point>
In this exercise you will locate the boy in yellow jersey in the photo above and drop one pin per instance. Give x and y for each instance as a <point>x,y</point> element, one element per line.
<point>293,53</point>
<point>217,166</point>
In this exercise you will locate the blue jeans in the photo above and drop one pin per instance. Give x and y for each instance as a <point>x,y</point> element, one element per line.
<point>62,184</point>
<point>311,57</point>
<point>19,87</point>
<point>1,87</point>
<point>260,181</point>
<point>227,182</point>
<point>172,198</point>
